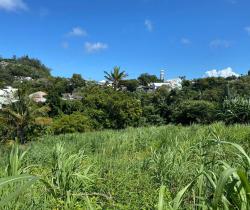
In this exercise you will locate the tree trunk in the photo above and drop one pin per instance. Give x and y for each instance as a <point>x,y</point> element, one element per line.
<point>21,135</point>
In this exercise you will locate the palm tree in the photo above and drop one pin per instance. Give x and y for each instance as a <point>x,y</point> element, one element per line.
<point>115,77</point>
<point>21,116</point>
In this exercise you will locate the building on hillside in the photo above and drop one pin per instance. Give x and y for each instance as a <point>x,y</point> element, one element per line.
<point>105,82</point>
<point>71,97</point>
<point>38,97</point>
<point>22,79</point>
<point>172,84</point>
<point>7,96</point>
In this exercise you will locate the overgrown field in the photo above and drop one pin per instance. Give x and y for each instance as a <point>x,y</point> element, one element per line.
<point>128,169</point>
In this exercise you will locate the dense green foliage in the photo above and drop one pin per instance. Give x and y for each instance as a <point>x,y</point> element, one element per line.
<point>123,104</point>
<point>12,69</point>
<point>236,110</point>
<point>194,111</point>
<point>72,123</point>
<point>189,166</point>
<point>145,79</point>
<point>23,119</point>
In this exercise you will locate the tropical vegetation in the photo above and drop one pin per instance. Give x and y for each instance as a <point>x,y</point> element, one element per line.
<point>166,167</point>
<point>123,145</point>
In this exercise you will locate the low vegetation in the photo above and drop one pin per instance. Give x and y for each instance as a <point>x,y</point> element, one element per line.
<point>167,167</point>
<point>92,146</point>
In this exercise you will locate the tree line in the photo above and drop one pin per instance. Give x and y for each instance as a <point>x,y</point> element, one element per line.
<point>203,100</point>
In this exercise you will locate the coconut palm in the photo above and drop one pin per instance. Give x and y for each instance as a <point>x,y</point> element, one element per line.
<point>21,116</point>
<point>115,76</point>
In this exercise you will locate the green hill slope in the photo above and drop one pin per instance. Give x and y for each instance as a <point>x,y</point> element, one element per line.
<point>19,68</point>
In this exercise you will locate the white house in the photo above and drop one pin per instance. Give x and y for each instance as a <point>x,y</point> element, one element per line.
<point>38,97</point>
<point>105,82</point>
<point>172,84</point>
<point>7,96</point>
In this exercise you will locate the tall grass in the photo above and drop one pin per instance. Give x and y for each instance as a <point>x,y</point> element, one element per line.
<point>226,188</point>
<point>169,167</point>
<point>70,177</point>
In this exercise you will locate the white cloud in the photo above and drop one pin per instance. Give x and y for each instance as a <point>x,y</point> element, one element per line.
<point>77,31</point>
<point>13,5</point>
<point>149,25</point>
<point>65,45</point>
<point>247,29</point>
<point>227,72</point>
<point>95,47</point>
<point>220,43</point>
<point>185,41</point>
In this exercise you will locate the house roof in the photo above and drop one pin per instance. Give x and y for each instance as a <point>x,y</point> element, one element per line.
<point>38,94</point>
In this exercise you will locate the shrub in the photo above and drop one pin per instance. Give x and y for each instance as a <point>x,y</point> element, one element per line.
<point>236,110</point>
<point>151,116</point>
<point>192,111</point>
<point>76,122</point>
<point>131,84</point>
<point>117,109</point>
<point>70,106</point>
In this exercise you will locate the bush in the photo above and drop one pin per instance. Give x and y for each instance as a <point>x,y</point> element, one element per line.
<point>131,84</point>
<point>117,109</point>
<point>151,116</point>
<point>76,122</point>
<point>236,110</point>
<point>192,111</point>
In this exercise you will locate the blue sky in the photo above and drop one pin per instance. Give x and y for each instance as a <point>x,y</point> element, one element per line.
<point>184,37</point>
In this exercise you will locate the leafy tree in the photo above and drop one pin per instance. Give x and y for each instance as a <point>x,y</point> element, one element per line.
<point>151,116</point>
<point>110,108</point>
<point>54,101</point>
<point>71,106</point>
<point>145,79</point>
<point>115,76</point>
<point>76,122</point>
<point>194,111</point>
<point>76,81</point>
<point>131,84</point>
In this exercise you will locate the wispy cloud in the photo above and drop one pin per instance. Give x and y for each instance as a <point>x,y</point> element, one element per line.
<point>227,72</point>
<point>247,29</point>
<point>13,5</point>
<point>95,47</point>
<point>185,41</point>
<point>149,25</point>
<point>77,31</point>
<point>65,45</point>
<point>220,43</point>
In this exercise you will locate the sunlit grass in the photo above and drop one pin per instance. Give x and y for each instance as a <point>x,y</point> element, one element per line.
<point>130,167</point>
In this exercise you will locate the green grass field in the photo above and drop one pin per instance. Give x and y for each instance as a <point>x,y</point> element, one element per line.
<point>128,169</point>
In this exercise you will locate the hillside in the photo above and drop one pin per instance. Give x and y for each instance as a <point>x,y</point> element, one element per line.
<point>78,105</point>
<point>21,68</point>
<point>125,169</point>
